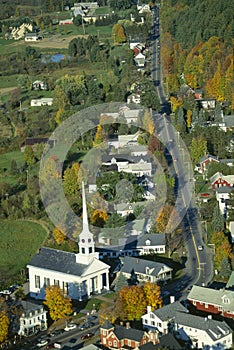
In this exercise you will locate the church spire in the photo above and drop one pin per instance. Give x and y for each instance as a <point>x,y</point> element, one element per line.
<point>86,242</point>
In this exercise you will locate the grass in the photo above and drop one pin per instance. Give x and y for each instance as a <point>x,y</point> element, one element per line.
<point>15,249</point>
<point>5,166</point>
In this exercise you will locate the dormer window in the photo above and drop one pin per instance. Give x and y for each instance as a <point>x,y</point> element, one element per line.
<point>226,300</point>
<point>147,242</point>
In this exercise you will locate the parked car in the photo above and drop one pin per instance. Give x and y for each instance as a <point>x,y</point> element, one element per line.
<point>87,336</point>
<point>92,318</point>
<point>70,327</point>
<point>200,247</point>
<point>83,326</point>
<point>42,342</point>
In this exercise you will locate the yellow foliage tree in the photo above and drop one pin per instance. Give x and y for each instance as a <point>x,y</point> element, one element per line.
<point>176,103</point>
<point>4,325</point>
<point>59,236</point>
<point>70,179</point>
<point>99,137</point>
<point>59,305</point>
<point>189,118</point>
<point>99,217</point>
<point>163,218</point>
<point>223,248</point>
<point>152,295</point>
<point>133,302</point>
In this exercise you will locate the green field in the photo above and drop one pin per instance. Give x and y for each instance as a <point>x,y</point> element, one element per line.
<point>19,242</point>
<point>5,166</point>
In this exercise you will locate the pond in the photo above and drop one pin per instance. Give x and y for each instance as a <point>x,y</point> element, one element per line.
<point>56,58</point>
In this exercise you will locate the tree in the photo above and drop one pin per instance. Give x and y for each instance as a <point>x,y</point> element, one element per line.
<point>4,325</point>
<point>198,149</point>
<point>77,21</point>
<point>29,156</point>
<point>222,248</point>
<point>70,180</point>
<point>59,236</point>
<point>217,220</point>
<point>118,33</point>
<point>225,268</point>
<point>152,295</point>
<point>59,306</point>
<point>99,137</point>
<point>163,219</point>
<point>133,302</point>
<point>120,282</point>
<point>99,217</point>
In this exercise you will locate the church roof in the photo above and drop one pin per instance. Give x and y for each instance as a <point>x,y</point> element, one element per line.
<point>64,262</point>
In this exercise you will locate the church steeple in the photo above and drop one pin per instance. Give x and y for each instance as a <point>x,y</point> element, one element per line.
<point>86,242</point>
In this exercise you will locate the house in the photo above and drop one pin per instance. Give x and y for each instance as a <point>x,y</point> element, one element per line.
<point>78,275</point>
<point>168,341</point>
<point>132,115</point>
<point>124,209</point>
<point>32,37</point>
<point>220,180</point>
<point>204,332</point>
<point>140,60</point>
<point>228,123</point>
<point>206,160</point>
<point>124,337</point>
<point>66,21</point>
<point>138,150</point>
<point>222,194</point>
<point>228,162</point>
<point>144,8</point>
<point>145,270</point>
<point>230,282</point>
<point>135,245</point>
<point>134,98</point>
<point>41,102</point>
<point>123,140</point>
<point>212,301</point>
<point>39,85</point>
<point>17,33</point>
<point>231,229</point>
<point>207,104</point>
<point>125,164</point>
<point>160,319</point>
<point>32,319</point>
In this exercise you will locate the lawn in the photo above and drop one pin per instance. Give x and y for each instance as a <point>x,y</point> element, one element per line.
<point>5,166</point>
<point>19,242</point>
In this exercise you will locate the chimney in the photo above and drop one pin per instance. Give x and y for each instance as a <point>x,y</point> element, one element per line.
<point>148,309</point>
<point>121,323</point>
<point>128,325</point>
<point>172,299</point>
<point>210,317</point>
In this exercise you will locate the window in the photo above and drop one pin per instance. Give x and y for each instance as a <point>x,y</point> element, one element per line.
<point>82,250</point>
<point>206,306</point>
<point>115,343</point>
<point>37,282</point>
<point>146,321</point>
<point>65,288</point>
<point>90,250</point>
<point>89,240</point>
<point>151,315</point>
<point>129,342</point>
<point>159,324</point>
<point>46,281</point>
<point>56,282</point>
<point>152,323</point>
<point>110,343</point>
<point>83,241</point>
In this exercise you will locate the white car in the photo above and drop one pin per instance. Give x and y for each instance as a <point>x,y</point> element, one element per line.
<point>200,247</point>
<point>70,327</point>
<point>42,342</point>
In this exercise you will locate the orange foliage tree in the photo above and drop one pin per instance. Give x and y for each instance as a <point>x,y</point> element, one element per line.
<point>59,236</point>
<point>163,218</point>
<point>4,325</point>
<point>223,248</point>
<point>99,217</point>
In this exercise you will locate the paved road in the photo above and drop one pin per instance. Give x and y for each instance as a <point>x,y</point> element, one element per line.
<point>198,267</point>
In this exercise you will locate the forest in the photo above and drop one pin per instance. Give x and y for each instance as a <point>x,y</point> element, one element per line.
<point>197,46</point>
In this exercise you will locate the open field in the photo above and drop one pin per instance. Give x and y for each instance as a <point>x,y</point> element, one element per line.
<point>5,166</point>
<point>19,242</point>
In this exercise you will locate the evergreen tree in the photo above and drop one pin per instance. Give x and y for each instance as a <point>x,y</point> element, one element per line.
<point>225,268</point>
<point>120,282</point>
<point>217,220</point>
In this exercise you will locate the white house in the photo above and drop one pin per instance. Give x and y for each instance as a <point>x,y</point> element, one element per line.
<point>131,115</point>
<point>140,60</point>
<point>222,194</point>
<point>32,319</point>
<point>134,98</point>
<point>78,275</point>
<point>204,332</point>
<point>145,270</point>
<point>161,318</point>
<point>41,102</point>
<point>32,37</point>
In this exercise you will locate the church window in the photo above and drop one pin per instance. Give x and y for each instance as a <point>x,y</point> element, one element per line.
<point>56,282</point>
<point>46,281</point>
<point>89,240</point>
<point>82,250</point>
<point>83,240</point>
<point>37,282</point>
<point>90,250</point>
<point>65,288</point>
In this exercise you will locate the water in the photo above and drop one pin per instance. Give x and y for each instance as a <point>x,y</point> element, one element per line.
<point>56,58</point>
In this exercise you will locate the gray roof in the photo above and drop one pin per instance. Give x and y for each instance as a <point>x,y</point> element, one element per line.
<point>167,312</point>
<point>229,121</point>
<point>107,325</point>
<point>122,332</point>
<point>215,329</point>
<point>28,306</point>
<point>212,296</point>
<point>155,239</point>
<point>230,282</point>
<point>137,265</point>
<point>58,260</point>
<point>224,189</point>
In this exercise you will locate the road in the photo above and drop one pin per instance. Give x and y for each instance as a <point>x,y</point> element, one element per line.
<point>199,267</point>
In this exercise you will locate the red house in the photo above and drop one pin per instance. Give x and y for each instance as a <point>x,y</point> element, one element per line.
<point>206,160</point>
<point>220,180</point>
<point>122,337</point>
<point>213,301</point>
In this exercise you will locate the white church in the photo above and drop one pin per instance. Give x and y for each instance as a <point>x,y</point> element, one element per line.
<point>78,275</point>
